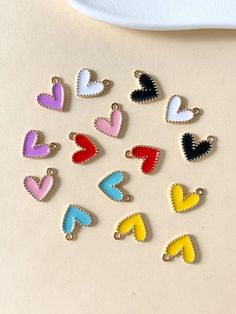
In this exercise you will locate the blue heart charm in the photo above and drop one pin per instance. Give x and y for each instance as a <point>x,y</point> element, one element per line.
<point>108,187</point>
<point>74,214</point>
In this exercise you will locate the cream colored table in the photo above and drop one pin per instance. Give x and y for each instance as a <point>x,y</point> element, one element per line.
<point>40,271</point>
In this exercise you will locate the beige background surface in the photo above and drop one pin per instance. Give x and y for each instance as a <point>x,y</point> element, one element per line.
<point>43,273</point>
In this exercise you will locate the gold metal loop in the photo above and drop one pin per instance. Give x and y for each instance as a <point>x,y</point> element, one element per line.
<point>128,154</point>
<point>53,146</point>
<point>55,80</point>
<point>115,106</point>
<point>166,257</point>
<point>72,135</point>
<point>69,236</point>
<point>106,83</point>
<point>117,236</point>
<point>137,73</point>
<point>126,198</point>
<point>196,111</point>
<point>50,172</point>
<point>200,191</point>
<point>210,139</point>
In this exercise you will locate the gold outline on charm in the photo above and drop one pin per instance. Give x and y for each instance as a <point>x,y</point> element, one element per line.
<point>210,139</point>
<point>118,236</point>
<point>72,136</point>
<point>167,258</point>
<point>54,80</point>
<point>114,107</point>
<point>126,197</point>
<point>195,111</point>
<point>106,83</point>
<point>49,172</point>
<point>198,191</point>
<point>137,74</point>
<point>70,236</point>
<point>52,146</point>
<point>129,155</point>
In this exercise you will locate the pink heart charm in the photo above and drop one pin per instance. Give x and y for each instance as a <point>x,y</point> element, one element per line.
<point>56,101</point>
<point>110,126</point>
<point>33,150</point>
<point>40,189</point>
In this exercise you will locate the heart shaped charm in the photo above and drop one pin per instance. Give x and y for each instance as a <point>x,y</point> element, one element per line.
<point>108,186</point>
<point>39,189</point>
<point>31,148</point>
<point>56,100</point>
<point>133,223</point>
<point>73,215</point>
<point>86,88</point>
<point>112,126</point>
<point>182,245</point>
<point>89,150</point>
<point>193,151</point>
<point>182,203</point>
<point>148,92</point>
<point>150,156</point>
<point>174,114</point>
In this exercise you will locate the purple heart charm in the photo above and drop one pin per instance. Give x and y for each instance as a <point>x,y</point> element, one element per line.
<point>33,150</point>
<point>54,101</point>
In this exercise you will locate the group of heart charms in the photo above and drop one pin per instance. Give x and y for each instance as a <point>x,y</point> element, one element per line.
<point>110,184</point>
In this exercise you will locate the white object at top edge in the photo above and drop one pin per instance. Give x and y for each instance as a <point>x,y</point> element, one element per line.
<point>161,14</point>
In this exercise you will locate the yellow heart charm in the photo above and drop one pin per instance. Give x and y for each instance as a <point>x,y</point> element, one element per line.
<point>183,245</point>
<point>132,223</point>
<point>181,202</point>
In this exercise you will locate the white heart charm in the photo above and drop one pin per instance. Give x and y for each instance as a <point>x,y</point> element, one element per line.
<point>175,115</point>
<point>85,88</point>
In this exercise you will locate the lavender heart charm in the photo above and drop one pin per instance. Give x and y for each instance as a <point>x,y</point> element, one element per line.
<point>31,148</point>
<point>56,100</point>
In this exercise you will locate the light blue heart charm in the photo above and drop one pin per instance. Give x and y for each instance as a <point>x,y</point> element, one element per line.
<point>74,214</point>
<point>108,186</point>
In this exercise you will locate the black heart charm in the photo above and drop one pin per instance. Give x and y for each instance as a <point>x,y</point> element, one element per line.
<point>148,92</point>
<point>193,151</point>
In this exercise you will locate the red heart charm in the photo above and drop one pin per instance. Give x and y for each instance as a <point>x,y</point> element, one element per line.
<point>89,150</point>
<point>150,156</point>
